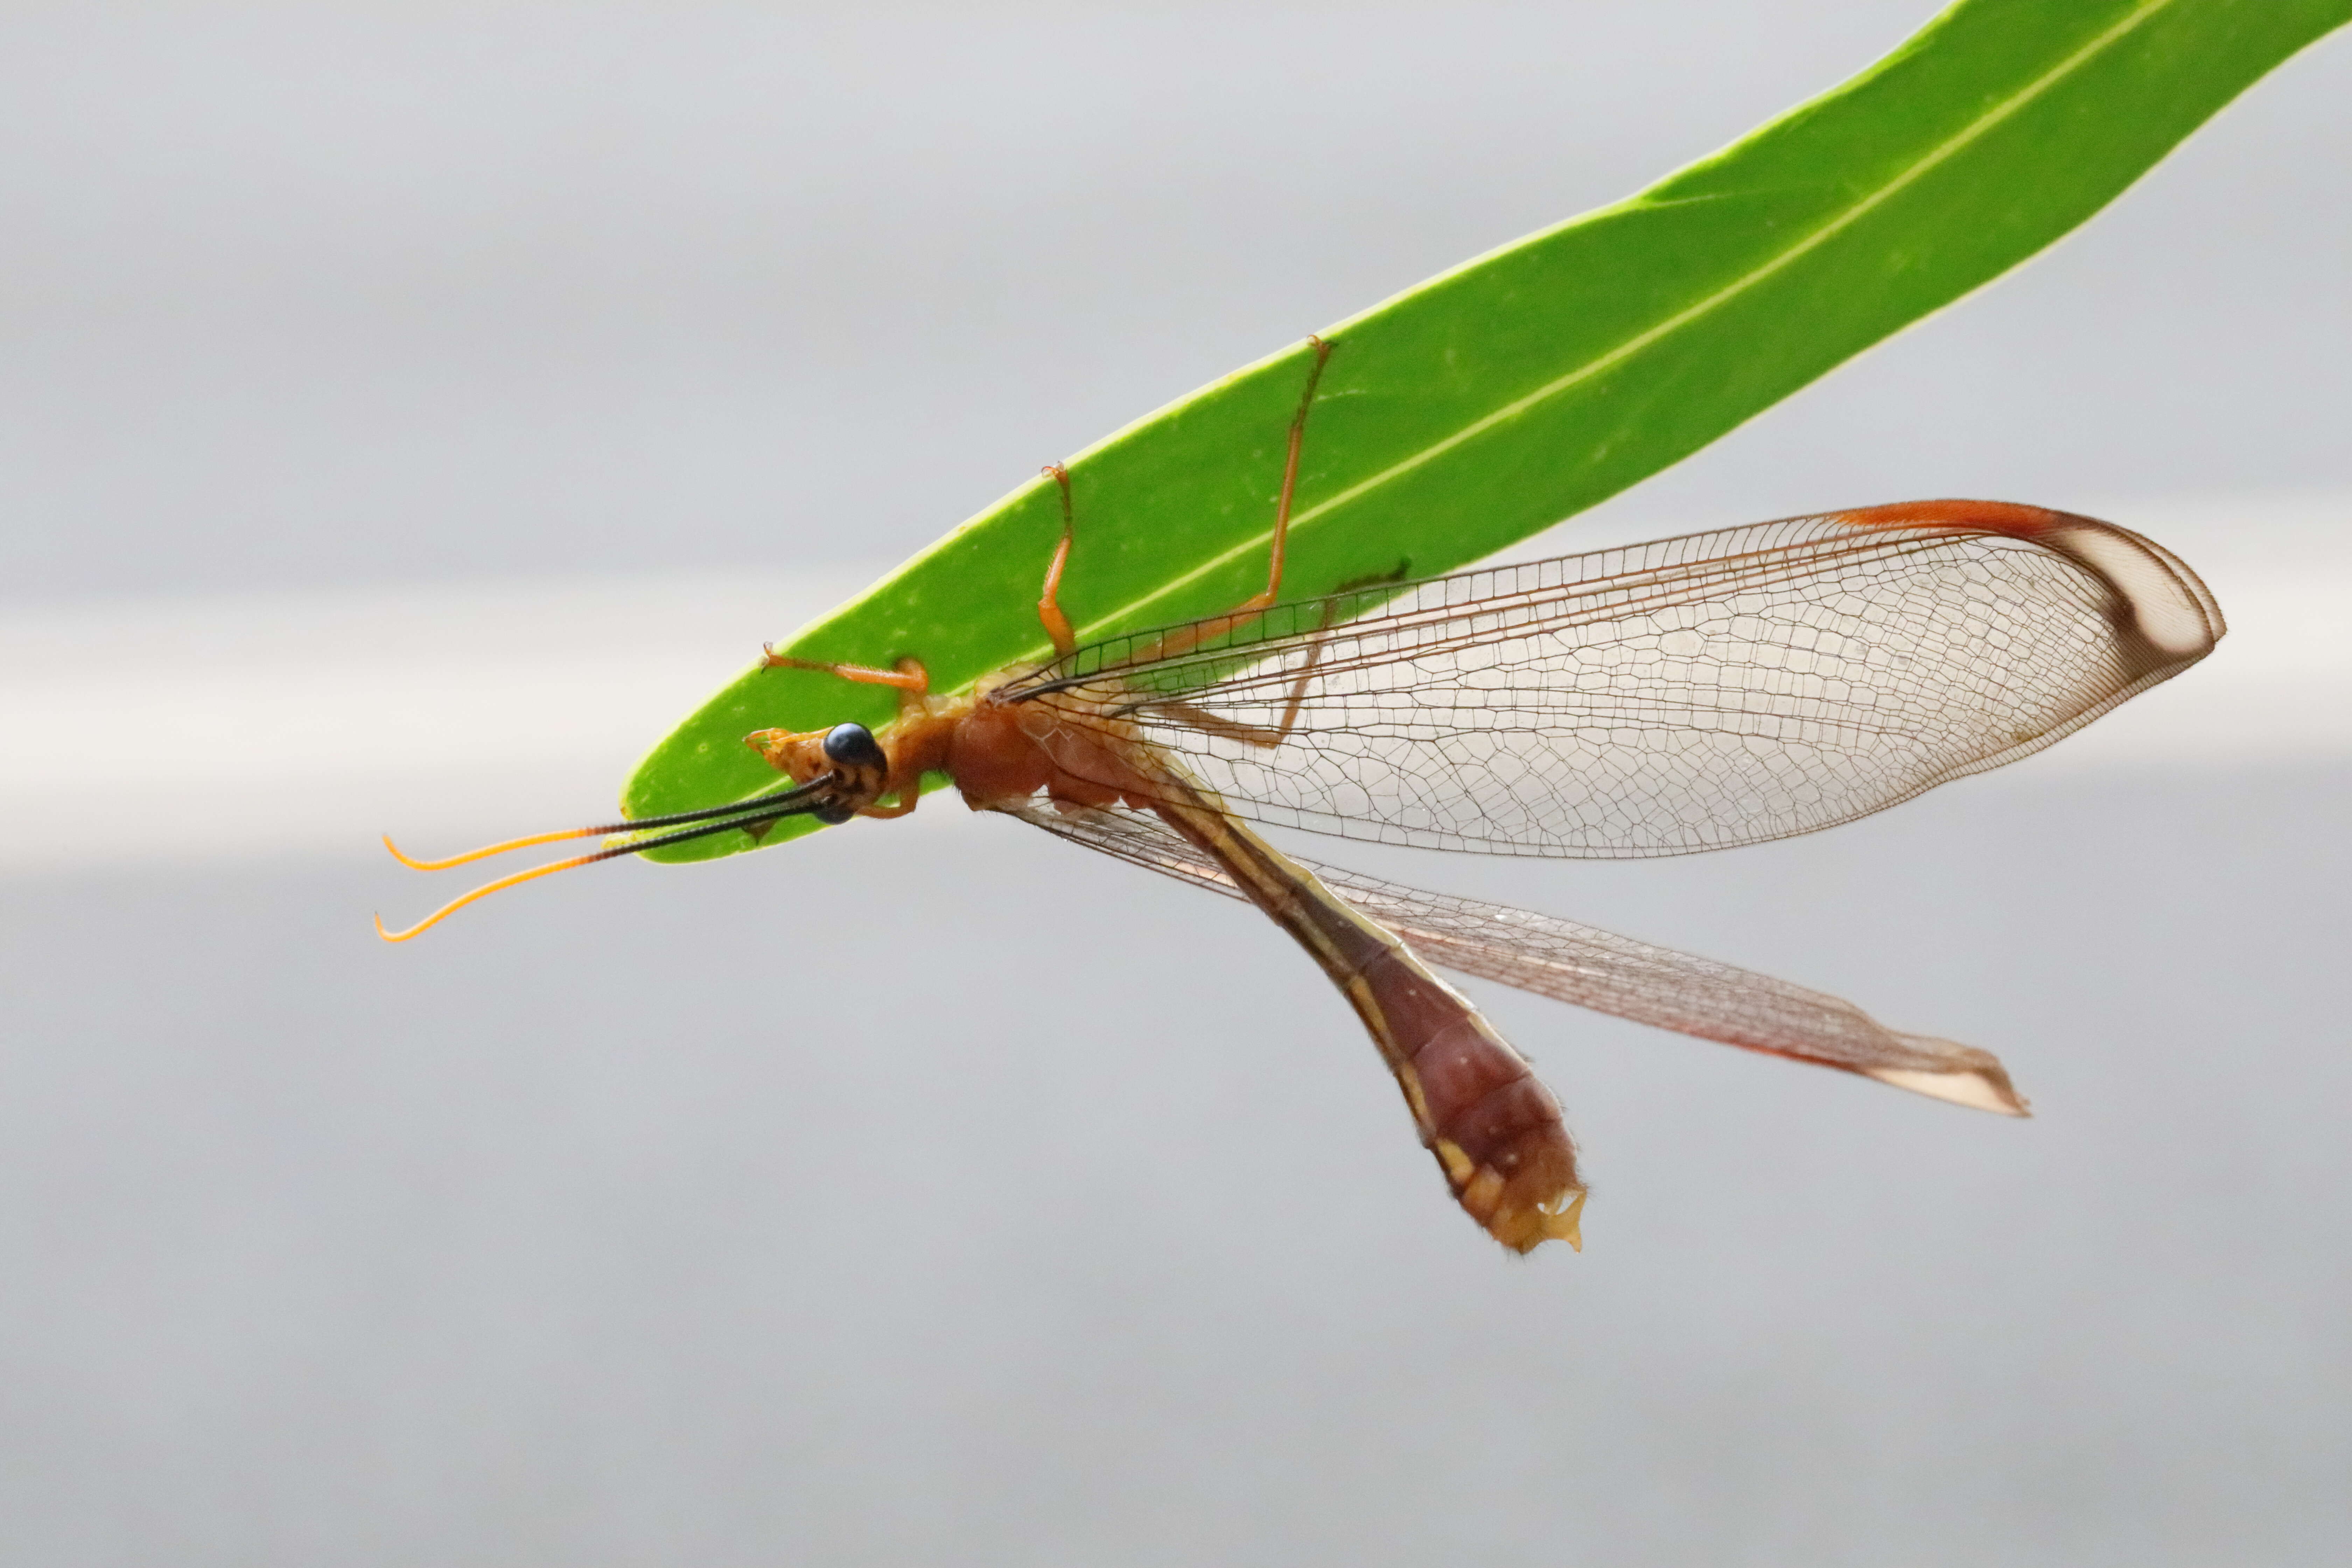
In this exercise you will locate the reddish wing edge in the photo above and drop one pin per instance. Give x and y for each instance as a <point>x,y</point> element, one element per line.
<point>1593,968</point>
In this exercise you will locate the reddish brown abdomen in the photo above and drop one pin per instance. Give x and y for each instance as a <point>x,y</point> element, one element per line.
<point>1495,1130</point>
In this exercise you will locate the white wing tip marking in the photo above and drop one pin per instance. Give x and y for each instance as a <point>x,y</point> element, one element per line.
<point>1976,1089</point>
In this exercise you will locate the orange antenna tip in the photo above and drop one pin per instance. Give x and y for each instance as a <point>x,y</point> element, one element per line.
<point>486,888</point>
<point>412,865</point>
<point>488,850</point>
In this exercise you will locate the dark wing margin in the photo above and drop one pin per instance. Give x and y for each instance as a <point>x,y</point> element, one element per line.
<point>1695,693</point>
<point>1593,968</point>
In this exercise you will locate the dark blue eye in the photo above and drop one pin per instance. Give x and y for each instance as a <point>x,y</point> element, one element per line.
<point>853,746</point>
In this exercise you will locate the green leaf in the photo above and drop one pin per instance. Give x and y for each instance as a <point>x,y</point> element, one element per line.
<point>1490,402</point>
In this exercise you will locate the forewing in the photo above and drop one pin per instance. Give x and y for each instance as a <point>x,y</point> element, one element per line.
<point>1595,969</point>
<point>1695,693</point>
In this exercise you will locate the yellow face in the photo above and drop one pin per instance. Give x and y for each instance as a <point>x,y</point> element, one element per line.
<point>798,755</point>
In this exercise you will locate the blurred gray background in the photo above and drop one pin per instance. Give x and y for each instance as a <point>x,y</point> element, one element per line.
<point>404,413</point>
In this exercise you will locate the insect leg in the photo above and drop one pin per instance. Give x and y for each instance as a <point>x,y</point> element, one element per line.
<point>1298,444</point>
<point>907,799</point>
<point>1290,477</point>
<point>912,680</point>
<point>1191,716</point>
<point>1194,717</point>
<point>1049,602</point>
<point>1322,630</point>
<point>1187,638</point>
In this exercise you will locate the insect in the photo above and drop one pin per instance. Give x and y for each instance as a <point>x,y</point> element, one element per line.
<point>1693,693</point>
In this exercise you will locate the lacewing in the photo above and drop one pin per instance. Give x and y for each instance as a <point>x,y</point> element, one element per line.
<point>1693,693</point>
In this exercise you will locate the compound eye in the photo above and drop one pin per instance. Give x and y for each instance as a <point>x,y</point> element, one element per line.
<point>853,746</point>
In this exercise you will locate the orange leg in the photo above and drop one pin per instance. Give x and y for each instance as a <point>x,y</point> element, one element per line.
<point>1194,717</point>
<point>909,676</point>
<point>1208,724</point>
<point>1187,638</point>
<point>1290,477</point>
<point>907,799</point>
<point>1315,650</point>
<point>1049,607</point>
<point>1049,602</point>
<point>1299,687</point>
<point>1200,719</point>
<point>911,680</point>
<point>1258,602</point>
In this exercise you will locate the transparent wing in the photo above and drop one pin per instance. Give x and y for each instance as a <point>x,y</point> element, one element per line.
<point>1593,968</point>
<point>1695,693</point>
